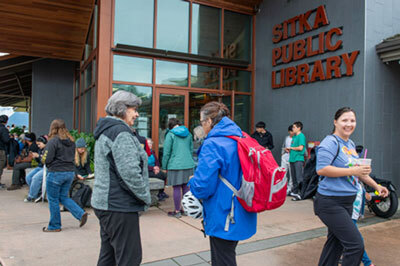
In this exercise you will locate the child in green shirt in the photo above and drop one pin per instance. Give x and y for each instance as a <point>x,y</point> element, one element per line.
<point>296,158</point>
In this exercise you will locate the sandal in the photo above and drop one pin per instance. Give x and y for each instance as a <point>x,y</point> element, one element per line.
<point>46,230</point>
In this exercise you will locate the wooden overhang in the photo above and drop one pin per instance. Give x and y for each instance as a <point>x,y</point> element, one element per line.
<point>45,28</point>
<point>248,6</point>
<point>16,81</point>
<point>389,49</point>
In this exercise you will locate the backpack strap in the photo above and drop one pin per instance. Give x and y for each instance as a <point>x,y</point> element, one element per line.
<point>334,158</point>
<point>338,148</point>
<point>230,218</point>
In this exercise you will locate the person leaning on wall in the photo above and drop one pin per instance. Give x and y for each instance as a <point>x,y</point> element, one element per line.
<point>121,187</point>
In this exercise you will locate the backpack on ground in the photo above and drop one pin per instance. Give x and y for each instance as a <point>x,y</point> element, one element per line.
<point>263,182</point>
<point>80,193</point>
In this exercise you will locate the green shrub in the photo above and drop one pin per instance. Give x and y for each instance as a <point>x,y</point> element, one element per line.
<point>17,130</point>
<point>89,139</point>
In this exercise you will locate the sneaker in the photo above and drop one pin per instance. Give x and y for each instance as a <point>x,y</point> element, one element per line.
<point>295,196</point>
<point>38,199</point>
<point>2,186</point>
<point>13,187</point>
<point>165,195</point>
<point>183,213</point>
<point>83,219</point>
<point>175,214</point>
<point>28,199</point>
<point>160,197</point>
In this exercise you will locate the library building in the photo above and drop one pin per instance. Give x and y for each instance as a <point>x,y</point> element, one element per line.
<point>277,61</point>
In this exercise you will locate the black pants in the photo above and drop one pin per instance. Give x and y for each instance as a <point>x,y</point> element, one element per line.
<point>161,175</point>
<point>120,238</point>
<point>19,173</point>
<point>343,235</point>
<point>223,252</point>
<point>3,162</point>
<point>296,173</point>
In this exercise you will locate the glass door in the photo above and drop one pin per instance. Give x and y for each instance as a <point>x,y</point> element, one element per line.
<point>170,103</point>
<point>196,101</point>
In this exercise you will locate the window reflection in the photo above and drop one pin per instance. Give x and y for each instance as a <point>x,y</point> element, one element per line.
<point>237,35</point>
<point>205,77</point>
<point>206,30</point>
<point>88,75</point>
<point>171,73</point>
<point>88,111</point>
<point>143,122</point>
<point>133,69</point>
<point>243,112</point>
<point>173,25</point>
<point>237,80</point>
<point>134,22</point>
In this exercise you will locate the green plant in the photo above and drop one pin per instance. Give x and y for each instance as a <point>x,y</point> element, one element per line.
<point>90,141</point>
<point>17,130</point>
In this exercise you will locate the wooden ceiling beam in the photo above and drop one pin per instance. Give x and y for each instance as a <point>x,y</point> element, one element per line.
<point>45,28</point>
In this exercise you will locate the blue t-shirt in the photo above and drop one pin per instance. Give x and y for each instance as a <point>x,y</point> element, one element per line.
<point>326,151</point>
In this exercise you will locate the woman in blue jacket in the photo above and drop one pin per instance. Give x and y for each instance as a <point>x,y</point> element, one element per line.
<point>219,156</point>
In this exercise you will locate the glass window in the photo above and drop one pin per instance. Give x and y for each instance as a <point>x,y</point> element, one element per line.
<point>171,73</point>
<point>171,106</point>
<point>237,80</point>
<point>88,111</point>
<point>76,122</point>
<point>95,25</point>
<point>173,25</point>
<point>134,22</point>
<point>82,114</point>
<point>143,123</point>
<point>205,77</point>
<point>94,107</point>
<point>237,36</point>
<point>94,69</point>
<point>133,69</point>
<point>90,41</point>
<point>206,30</point>
<point>243,112</point>
<point>77,87</point>
<point>88,75</point>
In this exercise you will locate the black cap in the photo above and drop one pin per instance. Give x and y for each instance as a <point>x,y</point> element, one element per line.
<point>3,119</point>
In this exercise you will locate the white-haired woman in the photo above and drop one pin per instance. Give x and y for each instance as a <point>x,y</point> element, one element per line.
<point>121,187</point>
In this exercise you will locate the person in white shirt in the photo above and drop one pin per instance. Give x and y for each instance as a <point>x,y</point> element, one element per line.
<point>285,157</point>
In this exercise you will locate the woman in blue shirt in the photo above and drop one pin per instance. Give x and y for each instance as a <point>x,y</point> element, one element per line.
<point>337,191</point>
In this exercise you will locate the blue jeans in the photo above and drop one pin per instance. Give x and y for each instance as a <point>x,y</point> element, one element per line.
<point>34,180</point>
<point>365,259</point>
<point>57,186</point>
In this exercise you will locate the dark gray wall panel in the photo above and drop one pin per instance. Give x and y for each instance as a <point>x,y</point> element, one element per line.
<point>52,93</point>
<point>382,84</point>
<point>315,103</point>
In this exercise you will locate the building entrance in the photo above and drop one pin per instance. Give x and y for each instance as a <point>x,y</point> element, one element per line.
<point>183,105</point>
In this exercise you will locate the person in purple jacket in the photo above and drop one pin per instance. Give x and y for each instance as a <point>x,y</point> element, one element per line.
<point>337,191</point>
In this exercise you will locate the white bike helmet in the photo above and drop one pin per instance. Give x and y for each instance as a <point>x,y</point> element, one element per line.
<point>192,206</point>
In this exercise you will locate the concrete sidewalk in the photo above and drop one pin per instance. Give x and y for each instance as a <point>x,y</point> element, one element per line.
<point>291,235</point>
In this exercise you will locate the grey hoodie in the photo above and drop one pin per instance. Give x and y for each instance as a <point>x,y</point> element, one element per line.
<point>122,182</point>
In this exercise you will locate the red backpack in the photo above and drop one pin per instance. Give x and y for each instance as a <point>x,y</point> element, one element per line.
<point>263,183</point>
